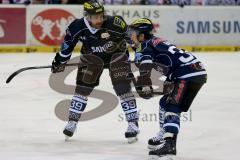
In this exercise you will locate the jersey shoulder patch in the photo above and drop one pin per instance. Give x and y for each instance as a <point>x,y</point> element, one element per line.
<point>118,21</point>
<point>76,26</point>
<point>115,23</point>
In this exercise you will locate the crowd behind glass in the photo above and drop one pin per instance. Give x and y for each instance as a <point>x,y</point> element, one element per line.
<point>129,2</point>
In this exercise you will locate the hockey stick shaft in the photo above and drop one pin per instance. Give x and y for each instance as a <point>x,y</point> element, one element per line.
<point>34,67</point>
<point>14,74</point>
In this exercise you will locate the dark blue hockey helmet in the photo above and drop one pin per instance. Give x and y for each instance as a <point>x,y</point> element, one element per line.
<point>142,25</point>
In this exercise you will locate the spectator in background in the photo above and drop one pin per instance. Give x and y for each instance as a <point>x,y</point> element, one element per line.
<point>197,2</point>
<point>17,2</point>
<point>37,1</point>
<point>181,2</point>
<point>219,2</point>
<point>122,2</point>
<point>129,2</point>
<point>135,2</point>
<point>75,1</point>
<point>116,2</point>
<point>154,2</point>
<point>53,1</point>
<point>167,2</point>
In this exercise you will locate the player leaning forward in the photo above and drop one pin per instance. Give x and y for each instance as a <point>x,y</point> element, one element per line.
<point>185,73</point>
<point>103,46</point>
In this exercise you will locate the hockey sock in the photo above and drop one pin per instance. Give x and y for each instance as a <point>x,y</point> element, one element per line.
<point>78,104</point>
<point>171,122</point>
<point>129,107</point>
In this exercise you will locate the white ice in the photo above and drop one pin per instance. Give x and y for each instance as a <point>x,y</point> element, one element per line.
<point>30,130</point>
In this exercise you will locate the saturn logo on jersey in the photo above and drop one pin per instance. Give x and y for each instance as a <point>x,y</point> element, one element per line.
<point>105,35</point>
<point>100,49</point>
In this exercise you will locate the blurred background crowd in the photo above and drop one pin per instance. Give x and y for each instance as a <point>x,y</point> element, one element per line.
<point>128,2</point>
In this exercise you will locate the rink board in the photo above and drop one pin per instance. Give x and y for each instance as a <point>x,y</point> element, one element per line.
<point>54,49</point>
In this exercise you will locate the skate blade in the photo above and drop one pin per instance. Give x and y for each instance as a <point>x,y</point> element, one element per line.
<point>67,138</point>
<point>167,157</point>
<point>132,140</point>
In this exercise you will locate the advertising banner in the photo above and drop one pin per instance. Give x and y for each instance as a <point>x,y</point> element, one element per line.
<point>197,28</point>
<point>12,26</point>
<point>191,26</point>
<point>47,25</point>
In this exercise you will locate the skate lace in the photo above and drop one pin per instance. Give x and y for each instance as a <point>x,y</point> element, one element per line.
<point>158,137</point>
<point>71,126</point>
<point>132,127</point>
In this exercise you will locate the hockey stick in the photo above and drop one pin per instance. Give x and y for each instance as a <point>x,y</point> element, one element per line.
<point>34,67</point>
<point>14,74</point>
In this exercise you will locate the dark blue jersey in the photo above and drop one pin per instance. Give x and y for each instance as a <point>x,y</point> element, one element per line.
<point>180,64</point>
<point>103,43</point>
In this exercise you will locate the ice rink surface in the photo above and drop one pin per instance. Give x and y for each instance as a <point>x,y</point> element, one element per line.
<point>30,130</point>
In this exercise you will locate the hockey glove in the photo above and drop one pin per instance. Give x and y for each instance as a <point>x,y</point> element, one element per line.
<point>144,87</point>
<point>167,87</point>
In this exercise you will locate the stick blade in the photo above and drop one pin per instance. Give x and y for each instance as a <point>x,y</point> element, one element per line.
<point>12,76</point>
<point>17,72</point>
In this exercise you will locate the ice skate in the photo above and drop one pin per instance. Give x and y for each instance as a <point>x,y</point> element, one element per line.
<point>155,141</point>
<point>132,132</point>
<point>167,151</point>
<point>69,129</point>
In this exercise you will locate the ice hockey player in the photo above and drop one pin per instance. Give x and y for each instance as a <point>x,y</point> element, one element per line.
<point>103,46</point>
<point>185,75</point>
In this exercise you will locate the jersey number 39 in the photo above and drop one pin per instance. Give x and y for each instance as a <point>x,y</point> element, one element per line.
<point>183,59</point>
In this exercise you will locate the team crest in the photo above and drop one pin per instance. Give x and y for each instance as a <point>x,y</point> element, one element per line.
<point>105,35</point>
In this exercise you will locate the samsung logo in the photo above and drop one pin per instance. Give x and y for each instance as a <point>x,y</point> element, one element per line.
<point>207,27</point>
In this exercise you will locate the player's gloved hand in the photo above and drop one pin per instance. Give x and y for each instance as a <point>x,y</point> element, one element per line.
<point>57,66</point>
<point>144,87</point>
<point>167,87</point>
